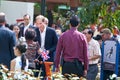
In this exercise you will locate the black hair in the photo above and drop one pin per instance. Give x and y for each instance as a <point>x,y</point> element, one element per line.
<point>26,15</point>
<point>7,25</point>
<point>23,59</point>
<point>30,34</point>
<point>74,21</point>
<point>12,26</point>
<point>98,37</point>
<point>91,32</point>
<point>22,48</point>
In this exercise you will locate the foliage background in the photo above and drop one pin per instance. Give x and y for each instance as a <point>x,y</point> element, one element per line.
<point>107,10</point>
<point>91,11</point>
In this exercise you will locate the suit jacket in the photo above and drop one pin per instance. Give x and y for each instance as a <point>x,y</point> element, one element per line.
<point>50,41</point>
<point>7,42</point>
<point>22,29</point>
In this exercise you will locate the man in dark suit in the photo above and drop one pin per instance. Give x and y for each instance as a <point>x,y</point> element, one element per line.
<point>47,39</point>
<point>7,42</point>
<point>24,26</point>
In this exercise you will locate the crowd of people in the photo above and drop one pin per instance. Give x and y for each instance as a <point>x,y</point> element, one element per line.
<point>76,52</point>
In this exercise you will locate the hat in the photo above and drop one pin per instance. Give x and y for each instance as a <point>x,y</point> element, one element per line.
<point>105,31</point>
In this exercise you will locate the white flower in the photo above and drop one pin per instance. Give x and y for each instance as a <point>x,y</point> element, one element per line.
<point>113,76</point>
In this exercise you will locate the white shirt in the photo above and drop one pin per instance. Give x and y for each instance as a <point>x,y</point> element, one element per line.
<point>43,38</point>
<point>93,49</point>
<point>25,28</point>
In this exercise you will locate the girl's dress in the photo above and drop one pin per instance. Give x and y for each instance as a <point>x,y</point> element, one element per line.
<point>18,66</point>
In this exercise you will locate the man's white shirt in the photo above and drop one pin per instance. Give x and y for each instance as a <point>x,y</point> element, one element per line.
<point>93,49</point>
<point>43,38</point>
<point>25,28</point>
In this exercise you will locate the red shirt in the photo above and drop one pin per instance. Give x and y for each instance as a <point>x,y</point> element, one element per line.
<point>73,45</point>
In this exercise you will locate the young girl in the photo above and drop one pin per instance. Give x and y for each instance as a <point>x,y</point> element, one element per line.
<point>33,48</point>
<point>20,62</point>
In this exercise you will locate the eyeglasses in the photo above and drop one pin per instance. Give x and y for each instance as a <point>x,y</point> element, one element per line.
<point>84,32</point>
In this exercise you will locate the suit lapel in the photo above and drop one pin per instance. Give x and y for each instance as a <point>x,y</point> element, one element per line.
<point>22,33</point>
<point>39,36</point>
<point>46,35</point>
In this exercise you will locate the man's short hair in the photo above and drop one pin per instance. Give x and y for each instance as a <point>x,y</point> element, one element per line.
<point>74,21</point>
<point>90,31</point>
<point>27,15</point>
<point>2,17</point>
<point>105,31</point>
<point>40,17</point>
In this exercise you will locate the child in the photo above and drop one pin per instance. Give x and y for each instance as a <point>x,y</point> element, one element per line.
<point>20,62</point>
<point>33,48</point>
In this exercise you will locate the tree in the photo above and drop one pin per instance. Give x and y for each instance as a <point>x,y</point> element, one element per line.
<point>106,9</point>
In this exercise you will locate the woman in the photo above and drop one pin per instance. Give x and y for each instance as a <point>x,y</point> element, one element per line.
<point>16,29</point>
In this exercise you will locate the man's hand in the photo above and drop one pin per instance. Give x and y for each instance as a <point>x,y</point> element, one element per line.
<point>85,72</point>
<point>36,60</point>
<point>48,51</point>
<point>57,69</point>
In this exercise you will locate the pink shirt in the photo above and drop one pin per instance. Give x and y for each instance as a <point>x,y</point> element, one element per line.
<point>73,45</point>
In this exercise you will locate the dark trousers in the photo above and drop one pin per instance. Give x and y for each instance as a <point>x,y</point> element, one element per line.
<point>42,68</point>
<point>107,74</point>
<point>72,68</point>
<point>119,71</point>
